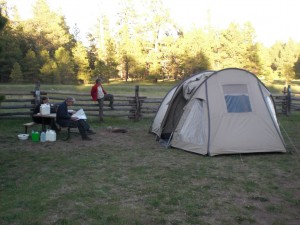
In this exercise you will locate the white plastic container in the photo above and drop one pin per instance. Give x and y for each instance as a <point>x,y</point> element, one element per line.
<point>50,135</point>
<point>43,137</point>
<point>45,109</point>
<point>23,136</point>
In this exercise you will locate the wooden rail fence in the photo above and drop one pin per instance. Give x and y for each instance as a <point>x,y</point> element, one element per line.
<point>134,107</point>
<point>287,102</point>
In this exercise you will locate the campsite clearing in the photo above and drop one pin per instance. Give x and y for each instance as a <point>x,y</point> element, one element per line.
<point>128,178</point>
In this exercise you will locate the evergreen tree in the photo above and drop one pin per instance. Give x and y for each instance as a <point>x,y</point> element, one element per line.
<point>192,52</point>
<point>31,67</point>
<point>65,66</point>
<point>297,68</point>
<point>106,50</point>
<point>48,29</point>
<point>10,51</point>
<point>284,57</point>
<point>236,48</point>
<point>50,73</point>
<point>92,52</point>
<point>16,75</point>
<point>265,62</point>
<point>251,60</point>
<point>157,30</point>
<point>125,38</point>
<point>110,59</point>
<point>49,68</point>
<point>80,56</point>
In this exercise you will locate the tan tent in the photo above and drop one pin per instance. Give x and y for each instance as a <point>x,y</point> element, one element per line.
<point>219,112</point>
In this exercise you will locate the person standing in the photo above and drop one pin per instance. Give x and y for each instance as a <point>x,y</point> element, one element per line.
<point>99,94</point>
<point>65,119</point>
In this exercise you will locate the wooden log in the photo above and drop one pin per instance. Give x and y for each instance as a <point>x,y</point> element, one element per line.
<point>17,107</point>
<point>17,100</point>
<point>15,114</point>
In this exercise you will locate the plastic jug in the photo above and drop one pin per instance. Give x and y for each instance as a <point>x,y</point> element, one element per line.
<point>45,109</point>
<point>50,135</point>
<point>35,136</point>
<point>43,136</point>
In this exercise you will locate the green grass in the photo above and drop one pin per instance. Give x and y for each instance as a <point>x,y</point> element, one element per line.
<point>130,179</point>
<point>121,88</point>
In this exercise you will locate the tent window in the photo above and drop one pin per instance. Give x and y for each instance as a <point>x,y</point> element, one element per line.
<point>237,98</point>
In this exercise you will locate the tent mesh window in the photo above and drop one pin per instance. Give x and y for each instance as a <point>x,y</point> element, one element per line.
<point>237,98</point>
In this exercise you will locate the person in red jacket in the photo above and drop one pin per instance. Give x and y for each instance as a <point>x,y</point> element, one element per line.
<point>99,94</point>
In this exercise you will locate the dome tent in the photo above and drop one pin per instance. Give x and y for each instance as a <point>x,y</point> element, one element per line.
<point>219,112</point>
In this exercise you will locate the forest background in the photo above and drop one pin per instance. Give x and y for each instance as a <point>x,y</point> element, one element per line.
<point>135,46</point>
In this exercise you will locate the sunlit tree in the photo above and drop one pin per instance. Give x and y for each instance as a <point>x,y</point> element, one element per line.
<point>284,56</point>
<point>265,62</point>
<point>48,29</point>
<point>193,52</point>
<point>48,70</point>
<point>65,66</point>
<point>80,57</point>
<point>127,19</point>
<point>107,50</point>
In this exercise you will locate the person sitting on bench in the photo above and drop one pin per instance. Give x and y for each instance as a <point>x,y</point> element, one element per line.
<point>47,121</point>
<point>64,118</point>
<point>99,94</point>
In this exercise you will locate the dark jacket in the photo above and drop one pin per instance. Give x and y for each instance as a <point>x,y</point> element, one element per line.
<point>36,111</point>
<point>63,117</point>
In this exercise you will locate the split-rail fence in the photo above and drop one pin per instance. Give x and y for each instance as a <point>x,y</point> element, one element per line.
<point>135,107</point>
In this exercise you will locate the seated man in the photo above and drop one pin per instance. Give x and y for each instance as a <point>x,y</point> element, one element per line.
<point>65,119</point>
<point>47,121</point>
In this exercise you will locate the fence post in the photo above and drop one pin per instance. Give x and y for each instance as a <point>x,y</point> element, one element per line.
<point>37,93</point>
<point>138,103</point>
<point>284,101</point>
<point>289,99</point>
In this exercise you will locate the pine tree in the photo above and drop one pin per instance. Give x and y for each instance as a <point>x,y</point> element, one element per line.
<point>16,75</point>
<point>31,67</point>
<point>48,69</point>
<point>80,56</point>
<point>65,66</point>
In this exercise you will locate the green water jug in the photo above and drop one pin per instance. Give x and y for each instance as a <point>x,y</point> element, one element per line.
<point>35,136</point>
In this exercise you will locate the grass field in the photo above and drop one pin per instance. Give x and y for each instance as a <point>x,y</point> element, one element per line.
<point>147,89</point>
<point>123,88</point>
<point>130,179</point>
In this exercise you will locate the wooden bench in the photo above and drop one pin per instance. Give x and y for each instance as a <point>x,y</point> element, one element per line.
<point>27,125</point>
<point>68,131</point>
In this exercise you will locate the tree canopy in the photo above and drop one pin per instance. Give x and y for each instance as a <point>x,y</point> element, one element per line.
<point>143,42</point>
